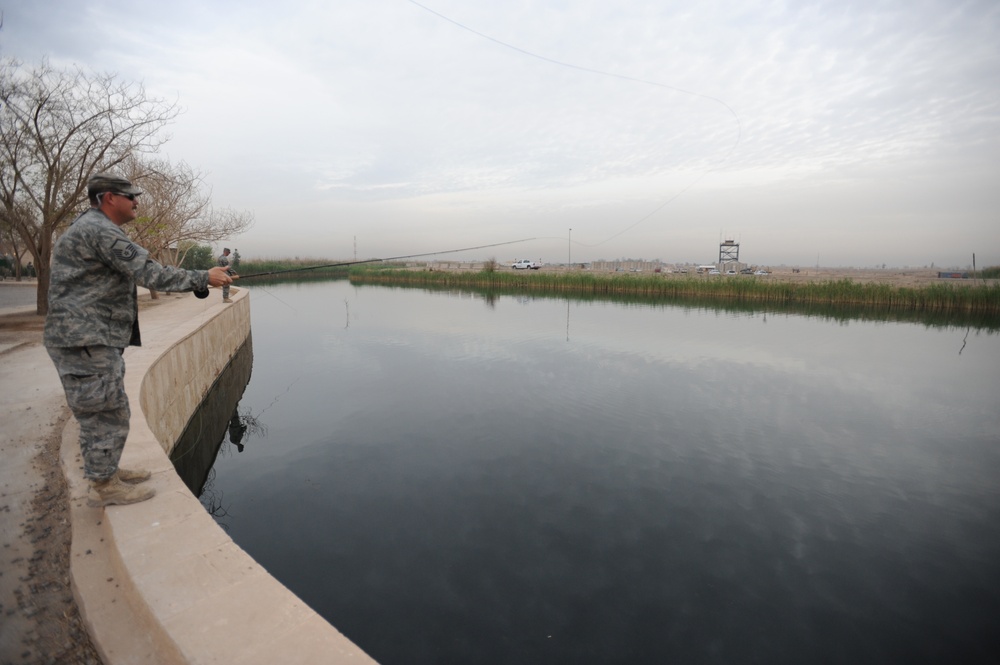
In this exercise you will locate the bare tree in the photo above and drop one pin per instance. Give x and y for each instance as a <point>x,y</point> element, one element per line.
<point>176,208</point>
<point>175,212</point>
<point>10,239</point>
<point>57,128</point>
<point>170,198</point>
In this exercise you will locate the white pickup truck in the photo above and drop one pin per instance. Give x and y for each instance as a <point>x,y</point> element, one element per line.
<point>525,264</point>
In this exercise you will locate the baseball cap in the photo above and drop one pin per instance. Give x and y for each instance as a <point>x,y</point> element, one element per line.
<point>105,182</point>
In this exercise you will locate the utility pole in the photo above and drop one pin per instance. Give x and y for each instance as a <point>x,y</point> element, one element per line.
<point>569,250</point>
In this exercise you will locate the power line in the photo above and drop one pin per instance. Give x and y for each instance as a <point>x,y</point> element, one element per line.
<point>623,77</point>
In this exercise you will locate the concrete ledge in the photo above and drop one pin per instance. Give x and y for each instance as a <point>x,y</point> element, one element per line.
<point>160,581</point>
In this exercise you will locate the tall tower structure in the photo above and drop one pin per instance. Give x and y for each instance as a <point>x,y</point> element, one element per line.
<point>729,252</point>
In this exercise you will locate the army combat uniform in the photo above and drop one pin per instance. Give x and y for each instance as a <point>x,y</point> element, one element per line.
<point>224,261</point>
<point>93,316</point>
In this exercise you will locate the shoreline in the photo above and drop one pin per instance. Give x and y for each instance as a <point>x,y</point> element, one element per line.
<point>899,277</point>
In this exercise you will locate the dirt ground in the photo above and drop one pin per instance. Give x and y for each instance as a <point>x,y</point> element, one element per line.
<point>893,276</point>
<point>41,607</point>
<point>59,636</point>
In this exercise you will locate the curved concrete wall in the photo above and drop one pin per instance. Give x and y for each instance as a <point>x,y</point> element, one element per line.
<point>175,384</point>
<point>160,581</point>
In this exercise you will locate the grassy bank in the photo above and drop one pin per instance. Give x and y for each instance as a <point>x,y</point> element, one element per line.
<point>843,314</point>
<point>303,267</point>
<point>977,299</point>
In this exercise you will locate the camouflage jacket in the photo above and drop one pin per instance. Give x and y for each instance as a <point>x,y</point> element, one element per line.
<point>92,295</point>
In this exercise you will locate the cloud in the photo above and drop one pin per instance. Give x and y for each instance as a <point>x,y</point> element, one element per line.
<point>653,123</point>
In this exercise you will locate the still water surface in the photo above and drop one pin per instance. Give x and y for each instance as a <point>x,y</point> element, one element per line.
<point>449,479</point>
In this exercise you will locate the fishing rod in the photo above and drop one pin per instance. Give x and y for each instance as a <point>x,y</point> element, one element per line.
<point>389,258</point>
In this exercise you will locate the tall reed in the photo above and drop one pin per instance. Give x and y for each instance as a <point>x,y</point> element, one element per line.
<point>979,298</point>
<point>248,268</point>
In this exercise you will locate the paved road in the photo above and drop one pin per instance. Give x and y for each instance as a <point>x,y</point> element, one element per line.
<point>17,295</point>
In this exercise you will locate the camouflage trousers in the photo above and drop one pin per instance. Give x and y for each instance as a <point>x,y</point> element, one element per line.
<point>93,378</point>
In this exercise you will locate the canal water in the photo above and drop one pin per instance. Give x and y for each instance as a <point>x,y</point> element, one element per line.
<point>454,478</point>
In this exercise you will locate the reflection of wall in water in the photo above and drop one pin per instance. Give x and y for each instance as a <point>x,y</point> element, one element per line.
<point>195,452</point>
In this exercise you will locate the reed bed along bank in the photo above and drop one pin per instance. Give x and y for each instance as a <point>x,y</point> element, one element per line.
<point>303,267</point>
<point>982,299</point>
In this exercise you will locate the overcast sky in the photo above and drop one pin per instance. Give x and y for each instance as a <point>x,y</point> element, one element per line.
<point>839,132</point>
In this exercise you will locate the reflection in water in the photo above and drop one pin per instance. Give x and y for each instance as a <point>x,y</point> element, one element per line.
<point>567,320</point>
<point>452,483</point>
<point>237,428</point>
<point>198,446</point>
<point>211,500</point>
<point>244,423</point>
<point>842,313</point>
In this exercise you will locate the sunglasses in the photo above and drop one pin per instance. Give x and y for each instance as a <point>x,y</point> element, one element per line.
<point>130,197</point>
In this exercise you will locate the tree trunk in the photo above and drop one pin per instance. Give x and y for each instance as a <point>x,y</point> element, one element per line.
<point>44,272</point>
<point>43,266</point>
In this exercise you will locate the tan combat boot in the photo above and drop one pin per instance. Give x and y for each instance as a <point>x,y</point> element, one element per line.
<point>227,300</point>
<point>115,492</point>
<point>133,475</point>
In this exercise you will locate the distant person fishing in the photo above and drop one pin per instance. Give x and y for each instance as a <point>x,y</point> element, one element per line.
<point>225,262</point>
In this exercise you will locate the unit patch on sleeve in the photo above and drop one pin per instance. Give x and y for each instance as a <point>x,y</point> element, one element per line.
<point>124,250</point>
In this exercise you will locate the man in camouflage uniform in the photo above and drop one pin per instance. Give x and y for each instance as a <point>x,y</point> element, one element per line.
<point>225,262</point>
<point>93,316</point>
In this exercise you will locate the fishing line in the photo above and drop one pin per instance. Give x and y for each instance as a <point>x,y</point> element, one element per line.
<point>623,77</point>
<point>273,296</point>
<point>278,397</point>
<point>176,456</point>
<point>388,258</point>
